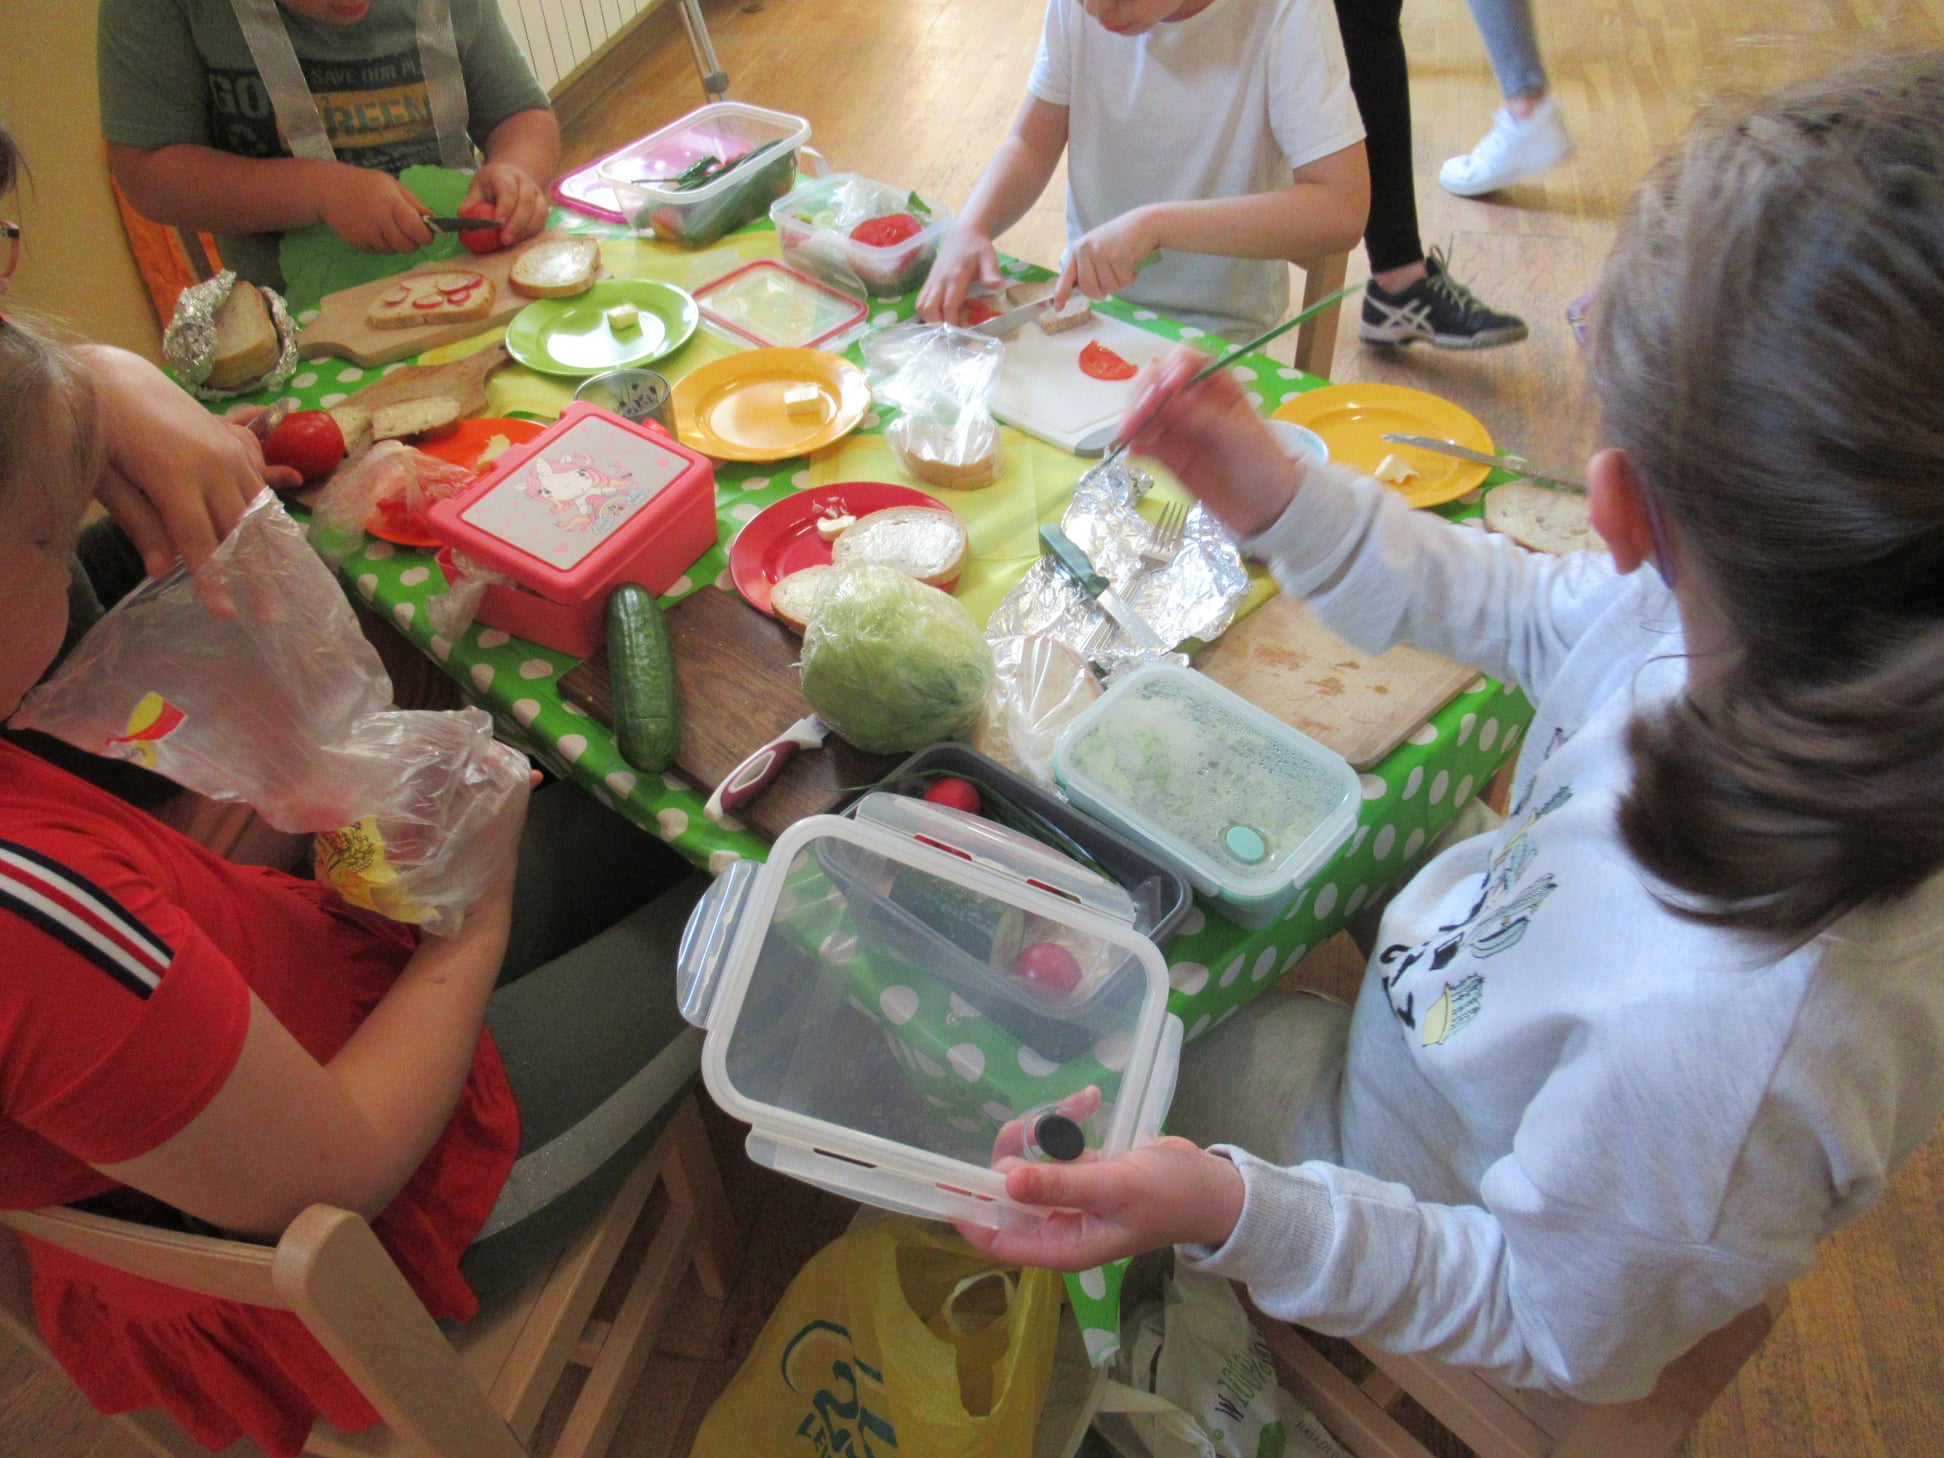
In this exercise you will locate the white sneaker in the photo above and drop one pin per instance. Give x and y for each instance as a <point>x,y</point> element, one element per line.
<point>1511,151</point>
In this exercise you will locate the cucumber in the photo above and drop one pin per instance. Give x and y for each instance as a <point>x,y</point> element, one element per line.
<point>641,670</point>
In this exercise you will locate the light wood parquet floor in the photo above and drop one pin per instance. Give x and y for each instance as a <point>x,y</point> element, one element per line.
<point>918,92</point>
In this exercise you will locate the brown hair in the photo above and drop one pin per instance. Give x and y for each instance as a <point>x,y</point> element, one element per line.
<point>1769,350</point>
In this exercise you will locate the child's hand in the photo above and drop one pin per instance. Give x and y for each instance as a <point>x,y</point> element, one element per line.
<point>1167,1193</point>
<point>1105,261</point>
<point>517,200</point>
<point>964,256</point>
<point>373,211</point>
<point>1212,439</point>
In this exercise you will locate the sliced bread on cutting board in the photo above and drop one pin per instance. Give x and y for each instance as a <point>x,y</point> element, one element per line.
<point>1282,659</point>
<point>425,300</point>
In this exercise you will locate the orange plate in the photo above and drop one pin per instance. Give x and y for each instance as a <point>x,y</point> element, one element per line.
<point>461,446</point>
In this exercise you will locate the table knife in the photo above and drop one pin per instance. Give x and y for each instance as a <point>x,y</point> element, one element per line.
<point>1081,569</point>
<point>1004,326</point>
<point>1505,463</point>
<point>460,225</point>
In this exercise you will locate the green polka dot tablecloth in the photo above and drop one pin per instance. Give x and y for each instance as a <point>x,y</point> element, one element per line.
<point>1215,967</point>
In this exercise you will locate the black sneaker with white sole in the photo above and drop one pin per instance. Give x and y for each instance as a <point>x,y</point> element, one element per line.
<point>1437,310</point>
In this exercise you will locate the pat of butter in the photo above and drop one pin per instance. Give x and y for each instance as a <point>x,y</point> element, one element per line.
<point>624,316</point>
<point>832,527</point>
<point>1394,471</point>
<point>803,400</point>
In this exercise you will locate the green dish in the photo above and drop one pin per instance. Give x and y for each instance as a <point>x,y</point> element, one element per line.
<point>573,336</point>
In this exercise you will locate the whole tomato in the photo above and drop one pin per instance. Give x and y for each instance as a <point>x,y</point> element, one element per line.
<point>887,230</point>
<point>953,794</point>
<point>1049,969</point>
<point>479,240</point>
<point>309,442</point>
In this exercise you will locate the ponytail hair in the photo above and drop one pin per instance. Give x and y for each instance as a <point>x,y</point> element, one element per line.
<point>1769,350</point>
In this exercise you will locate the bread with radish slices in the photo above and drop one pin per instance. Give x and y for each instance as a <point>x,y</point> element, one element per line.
<point>451,296</point>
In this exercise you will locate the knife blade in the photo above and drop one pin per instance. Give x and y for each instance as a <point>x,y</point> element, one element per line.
<point>1004,326</point>
<point>460,225</point>
<point>1080,568</point>
<point>1463,453</point>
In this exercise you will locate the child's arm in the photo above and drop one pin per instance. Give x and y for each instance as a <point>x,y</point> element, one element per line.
<point>521,154</point>
<point>1321,211</point>
<point>191,186</point>
<point>1011,183</point>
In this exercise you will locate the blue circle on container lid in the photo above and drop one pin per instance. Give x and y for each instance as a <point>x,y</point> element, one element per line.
<point>1245,843</point>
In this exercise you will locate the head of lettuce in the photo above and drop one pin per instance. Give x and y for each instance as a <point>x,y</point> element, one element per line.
<point>892,664</point>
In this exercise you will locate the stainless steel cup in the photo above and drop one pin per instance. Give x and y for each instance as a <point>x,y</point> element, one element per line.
<point>637,395</point>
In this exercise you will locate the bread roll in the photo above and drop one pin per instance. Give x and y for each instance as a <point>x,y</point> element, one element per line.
<point>919,541</point>
<point>558,268</point>
<point>1541,519</point>
<point>246,339</point>
<point>794,598</point>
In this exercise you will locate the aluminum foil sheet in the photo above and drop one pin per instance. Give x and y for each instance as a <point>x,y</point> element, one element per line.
<point>189,343</point>
<point>1194,596</point>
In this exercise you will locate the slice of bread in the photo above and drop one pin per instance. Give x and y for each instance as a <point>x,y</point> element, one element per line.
<point>246,339</point>
<point>354,421</point>
<point>1542,519</point>
<point>1078,311</point>
<point>794,598</point>
<point>926,452</point>
<point>413,417</point>
<point>1019,295</point>
<point>558,268</point>
<point>919,541</point>
<point>453,296</point>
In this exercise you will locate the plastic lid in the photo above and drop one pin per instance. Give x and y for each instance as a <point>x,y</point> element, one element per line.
<point>887,1009</point>
<point>1245,803</point>
<point>773,305</point>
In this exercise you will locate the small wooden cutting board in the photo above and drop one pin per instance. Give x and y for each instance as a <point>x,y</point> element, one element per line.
<point>340,327</point>
<point>737,680</point>
<point>1362,705</point>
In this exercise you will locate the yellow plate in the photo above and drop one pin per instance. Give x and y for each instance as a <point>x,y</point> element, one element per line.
<point>732,408</point>
<point>1354,419</point>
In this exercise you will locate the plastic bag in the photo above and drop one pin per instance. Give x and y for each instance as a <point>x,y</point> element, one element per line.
<point>391,482</point>
<point>285,707</point>
<point>1039,686</point>
<point>941,379</point>
<point>1195,1380</point>
<point>896,1338</point>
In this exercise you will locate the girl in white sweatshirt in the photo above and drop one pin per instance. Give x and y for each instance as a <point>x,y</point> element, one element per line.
<point>1619,1065</point>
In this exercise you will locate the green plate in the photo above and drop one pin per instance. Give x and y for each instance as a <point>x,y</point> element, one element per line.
<point>573,336</point>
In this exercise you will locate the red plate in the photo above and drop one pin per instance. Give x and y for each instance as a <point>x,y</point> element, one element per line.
<point>783,538</point>
<point>462,446</point>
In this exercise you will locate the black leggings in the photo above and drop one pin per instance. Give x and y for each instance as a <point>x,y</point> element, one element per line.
<point>1373,44</point>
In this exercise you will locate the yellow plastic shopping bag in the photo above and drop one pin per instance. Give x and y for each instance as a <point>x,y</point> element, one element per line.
<point>894,1339</point>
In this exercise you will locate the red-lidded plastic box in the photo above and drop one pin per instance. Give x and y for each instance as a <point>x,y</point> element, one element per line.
<point>590,503</point>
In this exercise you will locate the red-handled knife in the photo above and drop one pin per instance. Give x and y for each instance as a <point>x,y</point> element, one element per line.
<point>750,778</point>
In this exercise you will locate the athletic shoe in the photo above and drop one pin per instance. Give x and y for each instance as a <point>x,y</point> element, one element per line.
<point>1437,309</point>
<point>1510,152</point>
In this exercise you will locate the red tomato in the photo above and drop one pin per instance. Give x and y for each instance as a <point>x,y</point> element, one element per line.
<point>309,442</point>
<point>977,311</point>
<point>480,240</point>
<point>887,230</point>
<point>1100,362</point>
<point>1049,969</point>
<point>953,794</point>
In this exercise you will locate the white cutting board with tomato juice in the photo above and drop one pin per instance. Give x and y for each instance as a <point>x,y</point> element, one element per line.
<point>1043,390</point>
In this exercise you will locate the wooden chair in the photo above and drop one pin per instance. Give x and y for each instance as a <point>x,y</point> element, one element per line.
<point>1496,1421</point>
<point>478,1395</point>
<point>1316,340</point>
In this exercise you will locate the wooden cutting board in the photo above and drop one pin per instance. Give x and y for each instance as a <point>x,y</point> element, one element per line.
<point>737,679</point>
<point>463,381</point>
<point>340,327</point>
<point>1362,705</point>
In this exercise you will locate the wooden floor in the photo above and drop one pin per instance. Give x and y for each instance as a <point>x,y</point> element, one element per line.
<point>918,92</point>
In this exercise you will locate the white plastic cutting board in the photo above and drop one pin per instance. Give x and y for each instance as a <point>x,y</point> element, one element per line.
<point>1042,390</point>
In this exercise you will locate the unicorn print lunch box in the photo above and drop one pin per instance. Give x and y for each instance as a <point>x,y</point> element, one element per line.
<point>588,504</point>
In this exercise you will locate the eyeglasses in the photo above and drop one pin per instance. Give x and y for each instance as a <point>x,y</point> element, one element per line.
<point>11,233</point>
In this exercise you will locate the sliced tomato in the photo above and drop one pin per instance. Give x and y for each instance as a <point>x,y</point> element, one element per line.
<point>977,311</point>
<point>1101,363</point>
<point>890,229</point>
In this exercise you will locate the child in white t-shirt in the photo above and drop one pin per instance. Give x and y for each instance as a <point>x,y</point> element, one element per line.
<point>1220,133</point>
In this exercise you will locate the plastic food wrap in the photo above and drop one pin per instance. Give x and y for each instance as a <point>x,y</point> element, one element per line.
<point>189,343</point>
<point>940,379</point>
<point>1039,686</point>
<point>285,707</point>
<point>822,227</point>
<point>391,484</point>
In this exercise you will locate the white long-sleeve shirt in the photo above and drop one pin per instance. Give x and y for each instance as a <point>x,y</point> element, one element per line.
<point>1576,1133</point>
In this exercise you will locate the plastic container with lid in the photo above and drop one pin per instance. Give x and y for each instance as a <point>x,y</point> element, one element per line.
<point>589,503</point>
<point>641,176</point>
<point>814,225</point>
<point>773,306</point>
<point>865,1016</point>
<point>1246,806</point>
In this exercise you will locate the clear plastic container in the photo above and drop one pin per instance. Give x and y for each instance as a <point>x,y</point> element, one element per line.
<point>776,307</point>
<point>642,175</point>
<point>815,222</point>
<point>883,1010</point>
<point>1247,807</point>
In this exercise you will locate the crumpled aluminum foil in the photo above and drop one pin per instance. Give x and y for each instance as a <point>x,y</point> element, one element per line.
<point>189,343</point>
<point>1194,596</point>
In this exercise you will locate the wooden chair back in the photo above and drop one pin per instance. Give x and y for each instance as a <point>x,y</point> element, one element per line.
<point>1316,340</point>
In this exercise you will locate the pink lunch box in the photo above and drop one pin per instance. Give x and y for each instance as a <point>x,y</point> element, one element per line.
<point>592,502</point>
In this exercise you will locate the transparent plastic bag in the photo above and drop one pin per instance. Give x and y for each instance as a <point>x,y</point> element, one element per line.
<point>285,707</point>
<point>1039,686</point>
<point>390,481</point>
<point>940,379</point>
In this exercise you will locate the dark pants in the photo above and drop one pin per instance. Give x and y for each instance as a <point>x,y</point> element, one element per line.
<point>1373,44</point>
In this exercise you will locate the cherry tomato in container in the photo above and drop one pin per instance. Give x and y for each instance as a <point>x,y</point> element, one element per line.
<point>953,794</point>
<point>480,240</point>
<point>1049,969</point>
<point>890,229</point>
<point>308,441</point>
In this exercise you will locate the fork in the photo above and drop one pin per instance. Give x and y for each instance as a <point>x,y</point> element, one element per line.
<point>1162,546</point>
